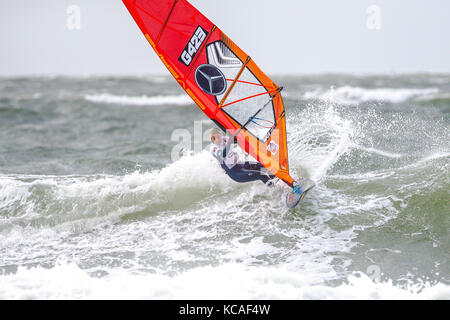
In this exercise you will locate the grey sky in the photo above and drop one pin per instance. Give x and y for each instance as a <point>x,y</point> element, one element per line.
<point>282,36</point>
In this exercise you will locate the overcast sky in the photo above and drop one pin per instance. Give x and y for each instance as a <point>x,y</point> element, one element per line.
<point>282,36</point>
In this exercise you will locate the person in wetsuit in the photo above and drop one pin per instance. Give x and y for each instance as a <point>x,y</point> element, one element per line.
<point>221,149</point>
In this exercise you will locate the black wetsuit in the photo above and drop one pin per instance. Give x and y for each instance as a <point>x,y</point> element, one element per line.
<point>240,172</point>
<point>247,172</point>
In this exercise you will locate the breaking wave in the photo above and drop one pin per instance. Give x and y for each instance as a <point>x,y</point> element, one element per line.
<point>356,95</point>
<point>139,100</point>
<point>68,281</point>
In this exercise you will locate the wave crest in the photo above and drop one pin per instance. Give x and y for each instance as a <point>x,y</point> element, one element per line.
<point>355,95</point>
<point>138,100</point>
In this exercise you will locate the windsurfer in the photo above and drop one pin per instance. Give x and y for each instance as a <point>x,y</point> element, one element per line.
<point>221,149</point>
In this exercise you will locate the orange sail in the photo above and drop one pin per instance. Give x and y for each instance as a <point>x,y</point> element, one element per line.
<point>222,79</point>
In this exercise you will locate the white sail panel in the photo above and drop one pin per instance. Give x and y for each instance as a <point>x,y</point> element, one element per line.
<point>238,104</point>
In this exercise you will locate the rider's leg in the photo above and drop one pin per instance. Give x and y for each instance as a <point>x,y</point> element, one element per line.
<point>243,174</point>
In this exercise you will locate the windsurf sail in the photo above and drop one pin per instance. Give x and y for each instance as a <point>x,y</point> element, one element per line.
<point>221,79</point>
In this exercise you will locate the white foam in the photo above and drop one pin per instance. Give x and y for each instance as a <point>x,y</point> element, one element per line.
<point>355,95</point>
<point>229,281</point>
<point>139,100</point>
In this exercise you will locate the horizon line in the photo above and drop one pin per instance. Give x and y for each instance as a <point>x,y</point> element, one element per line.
<point>159,75</point>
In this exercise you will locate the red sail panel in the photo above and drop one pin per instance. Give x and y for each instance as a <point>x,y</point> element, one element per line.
<point>221,79</point>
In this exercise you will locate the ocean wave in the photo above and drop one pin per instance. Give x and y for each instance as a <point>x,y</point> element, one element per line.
<point>443,98</point>
<point>229,281</point>
<point>139,100</point>
<point>355,95</point>
<point>91,200</point>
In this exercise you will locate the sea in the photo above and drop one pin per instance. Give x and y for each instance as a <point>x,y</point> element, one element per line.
<point>108,191</point>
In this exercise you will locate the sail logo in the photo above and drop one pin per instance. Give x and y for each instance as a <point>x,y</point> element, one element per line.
<point>193,46</point>
<point>211,80</point>
<point>273,148</point>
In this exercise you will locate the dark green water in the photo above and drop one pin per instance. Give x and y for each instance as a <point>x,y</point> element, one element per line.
<point>93,205</point>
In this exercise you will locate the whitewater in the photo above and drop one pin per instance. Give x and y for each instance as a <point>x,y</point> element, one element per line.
<point>93,207</point>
